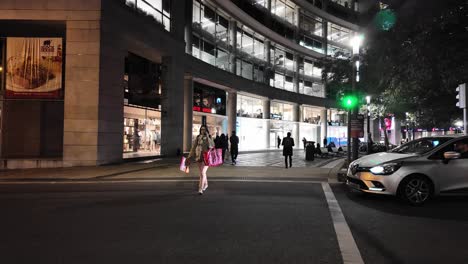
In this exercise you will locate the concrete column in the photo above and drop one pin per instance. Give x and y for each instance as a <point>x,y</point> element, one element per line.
<point>297,15</point>
<point>266,109</point>
<point>266,116</point>
<point>296,73</point>
<point>325,35</point>
<point>172,104</point>
<point>178,19</point>
<point>268,70</point>
<point>233,43</point>
<point>296,110</point>
<point>323,124</point>
<point>81,100</point>
<point>188,112</point>
<point>188,26</point>
<point>232,111</point>
<point>301,113</point>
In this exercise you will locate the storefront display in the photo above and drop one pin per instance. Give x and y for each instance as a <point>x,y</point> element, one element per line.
<point>142,132</point>
<point>252,133</point>
<point>280,129</point>
<point>249,107</point>
<point>311,115</point>
<point>207,99</point>
<point>281,111</point>
<point>310,132</point>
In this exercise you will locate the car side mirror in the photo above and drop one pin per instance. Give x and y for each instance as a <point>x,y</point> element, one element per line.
<point>450,155</point>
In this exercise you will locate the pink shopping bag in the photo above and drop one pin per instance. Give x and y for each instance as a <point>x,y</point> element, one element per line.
<point>182,167</point>
<point>213,157</point>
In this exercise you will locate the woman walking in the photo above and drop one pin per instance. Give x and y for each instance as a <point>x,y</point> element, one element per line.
<point>202,143</point>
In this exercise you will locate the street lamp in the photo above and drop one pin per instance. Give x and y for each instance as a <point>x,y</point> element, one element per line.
<point>368,98</point>
<point>356,43</point>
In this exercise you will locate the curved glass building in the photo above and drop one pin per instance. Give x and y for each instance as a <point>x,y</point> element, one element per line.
<point>136,78</point>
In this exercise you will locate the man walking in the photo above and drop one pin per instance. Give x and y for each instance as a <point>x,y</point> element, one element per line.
<point>234,147</point>
<point>279,141</point>
<point>288,144</point>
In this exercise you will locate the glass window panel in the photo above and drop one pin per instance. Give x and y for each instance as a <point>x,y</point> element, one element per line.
<point>247,70</point>
<point>289,85</point>
<point>238,67</point>
<point>208,21</point>
<point>308,68</point>
<point>247,43</point>
<point>279,80</point>
<point>222,59</point>
<point>150,10</point>
<point>288,112</point>
<point>196,12</point>
<point>222,28</point>
<point>289,61</point>
<point>259,49</point>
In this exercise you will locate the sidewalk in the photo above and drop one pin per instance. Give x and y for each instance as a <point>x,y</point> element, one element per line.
<point>249,165</point>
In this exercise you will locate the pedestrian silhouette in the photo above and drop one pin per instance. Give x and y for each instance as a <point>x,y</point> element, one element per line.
<point>234,147</point>
<point>288,144</point>
<point>279,141</point>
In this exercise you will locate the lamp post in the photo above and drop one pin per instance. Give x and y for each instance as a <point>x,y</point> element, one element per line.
<point>368,98</point>
<point>356,42</point>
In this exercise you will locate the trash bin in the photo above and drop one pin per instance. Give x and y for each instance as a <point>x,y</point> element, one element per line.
<point>310,150</point>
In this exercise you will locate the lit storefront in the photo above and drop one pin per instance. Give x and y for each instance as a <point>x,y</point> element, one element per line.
<point>337,130</point>
<point>142,132</point>
<point>209,107</point>
<point>142,115</point>
<point>251,128</point>
<point>282,116</point>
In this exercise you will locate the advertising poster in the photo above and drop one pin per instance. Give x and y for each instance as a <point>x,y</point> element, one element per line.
<point>34,67</point>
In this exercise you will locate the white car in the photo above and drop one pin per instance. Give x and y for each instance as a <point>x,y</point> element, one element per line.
<point>414,171</point>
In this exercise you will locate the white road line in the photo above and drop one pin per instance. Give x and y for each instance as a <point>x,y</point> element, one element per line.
<point>349,250</point>
<point>153,181</point>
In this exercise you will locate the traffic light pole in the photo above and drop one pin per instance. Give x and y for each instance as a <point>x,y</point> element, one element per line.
<point>349,137</point>
<point>465,125</point>
<point>354,112</point>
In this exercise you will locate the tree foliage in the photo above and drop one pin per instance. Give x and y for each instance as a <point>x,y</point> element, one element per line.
<point>414,66</point>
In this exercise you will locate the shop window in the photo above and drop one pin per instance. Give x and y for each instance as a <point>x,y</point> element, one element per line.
<point>142,81</point>
<point>249,107</point>
<point>207,99</point>
<point>141,132</point>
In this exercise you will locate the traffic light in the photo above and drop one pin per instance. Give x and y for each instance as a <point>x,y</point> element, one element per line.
<point>461,96</point>
<point>349,101</point>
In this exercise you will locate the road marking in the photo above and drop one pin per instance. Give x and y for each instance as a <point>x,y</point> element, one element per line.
<point>349,250</point>
<point>151,181</point>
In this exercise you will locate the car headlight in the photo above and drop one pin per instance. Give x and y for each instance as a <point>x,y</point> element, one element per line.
<point>385,169</point>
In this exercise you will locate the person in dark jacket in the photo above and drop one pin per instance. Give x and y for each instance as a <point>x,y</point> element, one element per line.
<point>288,144</point>
<point>223,144</point>
<point>234,147</point>
<point>279,141</point>
<point>325,141</point>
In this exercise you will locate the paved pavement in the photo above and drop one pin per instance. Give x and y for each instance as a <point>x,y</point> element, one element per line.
<point>263,164</point>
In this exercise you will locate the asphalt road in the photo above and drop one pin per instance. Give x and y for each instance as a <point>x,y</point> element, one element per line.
<point>233,222</point>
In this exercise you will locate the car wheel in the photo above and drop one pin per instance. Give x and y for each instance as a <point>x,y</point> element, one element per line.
<point>416,190</point>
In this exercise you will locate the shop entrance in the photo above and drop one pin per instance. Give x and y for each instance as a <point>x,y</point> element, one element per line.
<point>142,132</point>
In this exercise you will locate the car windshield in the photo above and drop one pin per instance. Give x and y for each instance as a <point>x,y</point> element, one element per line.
<point>420,146</point>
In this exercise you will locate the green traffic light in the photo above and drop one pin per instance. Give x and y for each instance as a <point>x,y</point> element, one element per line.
<point>349,101</point>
